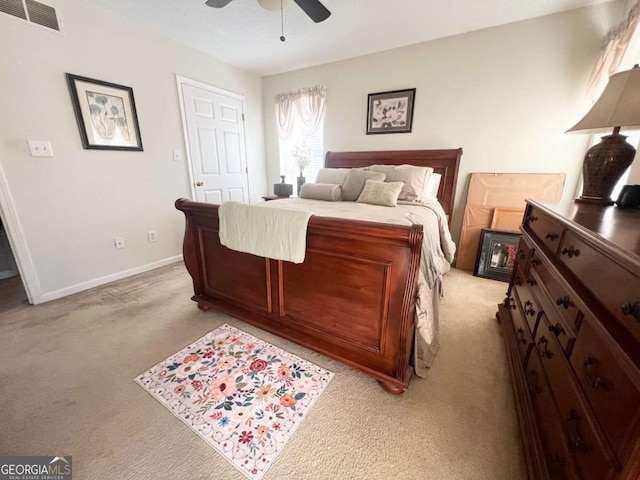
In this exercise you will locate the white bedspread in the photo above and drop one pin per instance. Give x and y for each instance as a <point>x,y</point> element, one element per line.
<point>275,233</point>
<point>438,251</point>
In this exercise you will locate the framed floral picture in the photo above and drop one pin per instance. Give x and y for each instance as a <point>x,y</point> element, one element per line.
<point>497,254</point>
<point>390,112</point>
<point>106,114</point>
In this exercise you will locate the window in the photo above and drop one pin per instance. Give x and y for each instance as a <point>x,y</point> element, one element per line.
<point>633,139</point>
<point>300,118</point>
<point>289,163</point>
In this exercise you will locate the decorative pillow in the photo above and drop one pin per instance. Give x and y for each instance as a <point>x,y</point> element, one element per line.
<point>381,193</point>
<point>354,183</point>
<point>431,187</point>
<point>414,178</point>
<point>335,176</point>
<point>321,191</point>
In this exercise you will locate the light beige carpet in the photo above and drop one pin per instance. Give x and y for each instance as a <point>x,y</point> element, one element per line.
<point>66,387</point>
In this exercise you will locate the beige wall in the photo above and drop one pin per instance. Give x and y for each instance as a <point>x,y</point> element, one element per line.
<point>506,95</point>
<point>70,207</point>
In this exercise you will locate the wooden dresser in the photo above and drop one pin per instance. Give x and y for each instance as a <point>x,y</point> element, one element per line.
<point>571,324</point>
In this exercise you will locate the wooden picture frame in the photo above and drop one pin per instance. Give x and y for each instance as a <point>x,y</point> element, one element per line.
<point>106,114</point>
<point>390,112</point>
<point>497,253</point>
<point>507,218</point>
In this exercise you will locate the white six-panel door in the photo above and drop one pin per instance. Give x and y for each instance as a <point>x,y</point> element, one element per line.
<point>214,128</point>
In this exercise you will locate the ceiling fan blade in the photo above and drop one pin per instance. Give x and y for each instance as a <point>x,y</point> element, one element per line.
<point>316,10</point>
<point>217,3</point>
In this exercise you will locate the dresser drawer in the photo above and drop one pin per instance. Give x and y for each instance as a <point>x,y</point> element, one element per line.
<point>580,432</point>
<point>524,339</point>
<point>556,325</point>
<point>616,288</point>
<point>557,454</point>
<point>546,230</point>
<point>610,391</point>
<point>527,303</point>
<point>523,256</point>
<point>561,297</point>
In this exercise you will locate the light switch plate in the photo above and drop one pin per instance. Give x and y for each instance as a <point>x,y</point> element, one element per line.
<point>40,148</point>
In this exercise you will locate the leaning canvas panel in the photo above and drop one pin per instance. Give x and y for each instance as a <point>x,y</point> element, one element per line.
<point>489,191</point>
<point>511,189</point>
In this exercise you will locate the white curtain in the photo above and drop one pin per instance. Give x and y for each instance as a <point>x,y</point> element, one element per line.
<point>285,114</point>
<point>620,51</point>
<point>306,105</point>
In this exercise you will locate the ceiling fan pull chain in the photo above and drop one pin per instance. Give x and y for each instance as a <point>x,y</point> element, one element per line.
<point>282,37</point>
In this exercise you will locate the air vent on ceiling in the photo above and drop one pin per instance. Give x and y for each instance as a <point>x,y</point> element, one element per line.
<point>42,14</point>
<point>33,12</point>
<point>14,8</point>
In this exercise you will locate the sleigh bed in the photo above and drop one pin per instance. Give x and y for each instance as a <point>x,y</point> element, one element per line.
<point>353,298</point>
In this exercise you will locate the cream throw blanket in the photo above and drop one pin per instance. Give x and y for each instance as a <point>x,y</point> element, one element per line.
<point>275,233</point>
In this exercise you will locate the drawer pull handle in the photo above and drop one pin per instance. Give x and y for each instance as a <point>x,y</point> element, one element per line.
<point>528,308</point>
<point>570,251</point>
<point>535,262</point>
<point>532,218</point>
<point>565,302</point>
<point>573,432</point>
<point>532,382</point>
<point>521,254</point>
<point>632,309</point>
<point>543,344</point>
<point>557,329</point>
<point>592,379</point>
<point>520,336</point>
<point>531,281</point>
<point>551,236</point>
<point>510,302</point>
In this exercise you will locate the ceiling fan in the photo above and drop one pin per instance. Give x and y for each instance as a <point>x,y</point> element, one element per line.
<point>313,8</point>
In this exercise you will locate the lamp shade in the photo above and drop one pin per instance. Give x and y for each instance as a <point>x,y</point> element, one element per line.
<point>618,106</point>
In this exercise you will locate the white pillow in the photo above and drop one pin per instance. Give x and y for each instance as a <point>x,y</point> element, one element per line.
<point>353,185</point>
<point>431,186</point>
<point>414,178</point>
<point>334,176</point>
<point>380,193</point>
<point>321,191</point>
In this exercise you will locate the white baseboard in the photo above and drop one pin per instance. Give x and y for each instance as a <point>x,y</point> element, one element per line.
<point>96,282</point>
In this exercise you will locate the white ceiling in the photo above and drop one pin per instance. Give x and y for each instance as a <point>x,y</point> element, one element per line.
<point>247,36</point>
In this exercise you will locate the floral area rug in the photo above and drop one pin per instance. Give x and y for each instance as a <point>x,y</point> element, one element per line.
<point>244,396</point>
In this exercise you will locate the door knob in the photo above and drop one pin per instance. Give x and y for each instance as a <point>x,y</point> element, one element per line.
<point>199,183</point>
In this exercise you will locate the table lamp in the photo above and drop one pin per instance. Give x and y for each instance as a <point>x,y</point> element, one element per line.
<point>606,162</point>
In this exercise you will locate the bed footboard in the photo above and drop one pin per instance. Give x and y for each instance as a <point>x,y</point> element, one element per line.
<point>353,298</point>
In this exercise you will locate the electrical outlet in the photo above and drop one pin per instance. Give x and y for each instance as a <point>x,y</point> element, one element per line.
<point>119,242</point>
<point>177,156</point>
<point>152,236</point>
<point>40,148</point>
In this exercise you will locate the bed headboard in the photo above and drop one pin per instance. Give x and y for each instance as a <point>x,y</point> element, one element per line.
<point>444,162</point>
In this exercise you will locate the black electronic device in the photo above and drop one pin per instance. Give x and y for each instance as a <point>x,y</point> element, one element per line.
<point>629,197</point>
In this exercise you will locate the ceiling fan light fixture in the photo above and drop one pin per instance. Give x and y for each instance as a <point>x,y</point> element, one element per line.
<point>273,5</point>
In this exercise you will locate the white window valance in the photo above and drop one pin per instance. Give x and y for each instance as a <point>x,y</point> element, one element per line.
<point>305,107</point>
<point>620,51</point>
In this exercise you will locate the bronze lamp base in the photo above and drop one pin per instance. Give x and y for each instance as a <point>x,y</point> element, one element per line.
<point>603,166</point>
